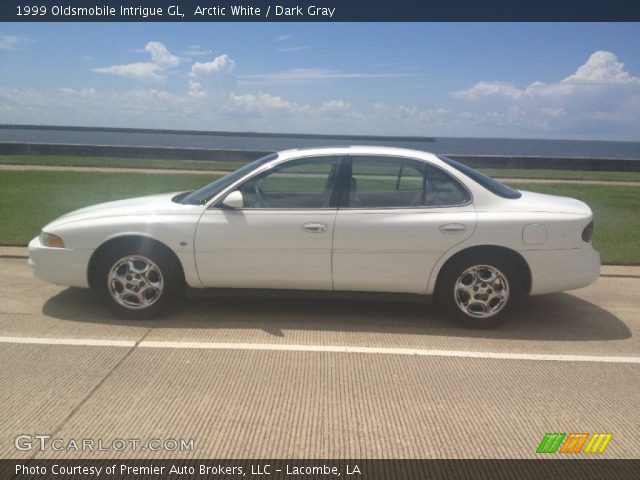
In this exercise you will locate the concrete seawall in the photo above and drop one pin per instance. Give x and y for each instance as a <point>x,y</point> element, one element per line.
<point>244,156</point>
<point>163,153</point>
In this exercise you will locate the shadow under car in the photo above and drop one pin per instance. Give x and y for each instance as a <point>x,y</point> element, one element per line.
<point>554,317</point>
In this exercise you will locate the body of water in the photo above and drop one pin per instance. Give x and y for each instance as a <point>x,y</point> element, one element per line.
<point>249,141</point>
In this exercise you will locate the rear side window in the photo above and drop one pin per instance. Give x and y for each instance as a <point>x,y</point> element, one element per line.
<point>394,182</point>
<point>486,181</point>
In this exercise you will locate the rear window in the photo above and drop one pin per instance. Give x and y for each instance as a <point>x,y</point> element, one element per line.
<point>486,181</point>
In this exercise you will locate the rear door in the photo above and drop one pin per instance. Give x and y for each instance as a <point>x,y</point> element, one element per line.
<point>399,217</point>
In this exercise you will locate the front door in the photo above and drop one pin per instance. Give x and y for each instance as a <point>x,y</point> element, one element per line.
<point>282,236</point>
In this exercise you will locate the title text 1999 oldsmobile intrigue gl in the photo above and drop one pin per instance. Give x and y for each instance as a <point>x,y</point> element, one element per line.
<point>346,219</point>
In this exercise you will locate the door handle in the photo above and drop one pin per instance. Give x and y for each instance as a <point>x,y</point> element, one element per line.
<point>314,227</point>
<point>453,228</point>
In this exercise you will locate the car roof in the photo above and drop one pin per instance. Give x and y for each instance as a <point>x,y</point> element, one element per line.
<point>356,150</point>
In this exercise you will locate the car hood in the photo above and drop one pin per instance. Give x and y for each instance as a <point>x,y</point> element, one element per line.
<point>540,202</point>
<point>149,205</point>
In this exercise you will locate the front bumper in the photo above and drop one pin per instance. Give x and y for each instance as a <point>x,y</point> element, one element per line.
<point>561,270</point>
<point>62,266</point>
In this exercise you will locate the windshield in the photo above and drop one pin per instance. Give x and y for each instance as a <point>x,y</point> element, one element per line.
<point>206,193</point>
<point>486,181</point>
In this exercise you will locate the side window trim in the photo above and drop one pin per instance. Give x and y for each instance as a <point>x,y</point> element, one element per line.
<point>400,176</point>
<point>344,182</point>
<point>423,195</point>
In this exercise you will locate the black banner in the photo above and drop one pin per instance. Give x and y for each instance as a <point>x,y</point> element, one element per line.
<point>317,11</point>
<point>357,469</point>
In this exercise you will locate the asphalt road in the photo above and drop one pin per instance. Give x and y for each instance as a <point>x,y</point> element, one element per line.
<point>277,377</point>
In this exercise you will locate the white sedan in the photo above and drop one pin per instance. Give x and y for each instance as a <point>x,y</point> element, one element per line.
<point>346,219</point>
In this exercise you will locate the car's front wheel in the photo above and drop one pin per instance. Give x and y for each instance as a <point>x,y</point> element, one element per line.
<point>479,291</point>
<point>137,282</point>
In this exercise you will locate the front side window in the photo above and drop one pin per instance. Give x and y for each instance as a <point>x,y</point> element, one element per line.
<point>303,183</point>
<point>392,182</point>
<point>206,193</point>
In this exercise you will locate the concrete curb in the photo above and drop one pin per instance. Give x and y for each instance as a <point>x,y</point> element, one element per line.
<point>622,271</point>
<point>13,252</point>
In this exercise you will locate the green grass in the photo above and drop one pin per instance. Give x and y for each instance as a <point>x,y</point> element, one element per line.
<point>616,213</point>
<point>124,162</point>
<point>32,199</point>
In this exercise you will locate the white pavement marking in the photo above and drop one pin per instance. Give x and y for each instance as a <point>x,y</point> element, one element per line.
<point>388,351</point>
<point>88,342</point>
<point>322,348</point>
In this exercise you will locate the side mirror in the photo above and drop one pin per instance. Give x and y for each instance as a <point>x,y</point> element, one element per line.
<point>234,200</point>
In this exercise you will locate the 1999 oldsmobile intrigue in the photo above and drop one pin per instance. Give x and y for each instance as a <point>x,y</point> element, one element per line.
<point>346,219</point>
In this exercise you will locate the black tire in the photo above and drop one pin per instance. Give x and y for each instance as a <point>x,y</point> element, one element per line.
<point>479,266</point>
<point>164,271</point>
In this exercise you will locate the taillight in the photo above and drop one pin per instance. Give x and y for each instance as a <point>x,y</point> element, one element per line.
<point>587,233</point>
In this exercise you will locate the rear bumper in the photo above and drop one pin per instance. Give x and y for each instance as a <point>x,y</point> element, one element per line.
<point>63,266</point>
<point>560,270</point>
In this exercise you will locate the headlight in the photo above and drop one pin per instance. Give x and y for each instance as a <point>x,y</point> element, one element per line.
<point>50,240</point>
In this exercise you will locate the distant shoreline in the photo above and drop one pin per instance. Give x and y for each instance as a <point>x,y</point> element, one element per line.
<point>384,138</point>
<point>320,136</point>
<point>264,141</point>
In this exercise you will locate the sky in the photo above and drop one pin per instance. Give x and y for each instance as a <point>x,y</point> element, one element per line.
<point>501,80</point>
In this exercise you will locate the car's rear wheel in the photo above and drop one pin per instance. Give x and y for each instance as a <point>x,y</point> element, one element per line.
<point>137,282</point>
<point>479,291</point>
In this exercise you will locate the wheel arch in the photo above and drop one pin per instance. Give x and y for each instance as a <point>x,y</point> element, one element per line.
<point>128,241</point>
<point>517,259</point>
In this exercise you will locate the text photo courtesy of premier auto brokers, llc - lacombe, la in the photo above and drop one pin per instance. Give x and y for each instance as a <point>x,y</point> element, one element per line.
<point>319,240</point>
